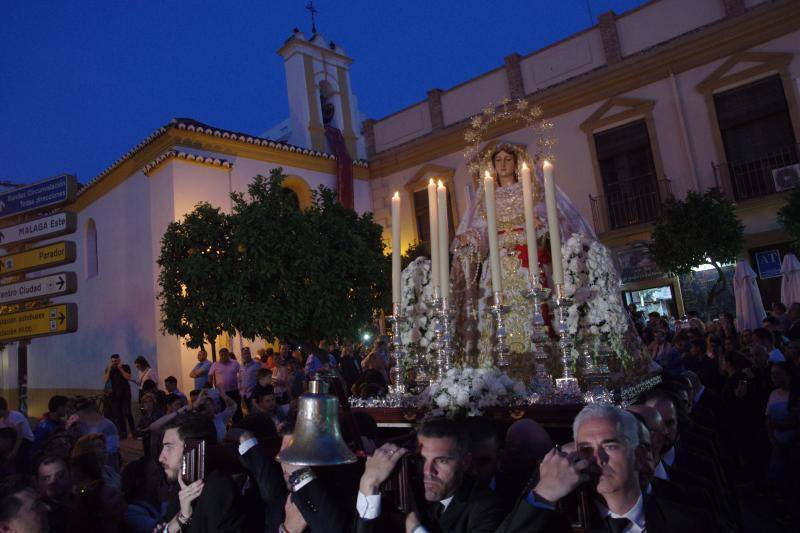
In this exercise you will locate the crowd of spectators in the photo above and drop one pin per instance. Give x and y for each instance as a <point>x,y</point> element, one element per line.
<point>721,428</point>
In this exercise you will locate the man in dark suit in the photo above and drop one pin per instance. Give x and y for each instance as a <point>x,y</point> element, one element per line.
<point>608,457</point>
<point>320,498</point>
<point>266,477</point>
<point>456,502</point>
<point>206,505</point>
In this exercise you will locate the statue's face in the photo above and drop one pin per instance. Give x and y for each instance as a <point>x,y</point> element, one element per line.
<point>505,164</point>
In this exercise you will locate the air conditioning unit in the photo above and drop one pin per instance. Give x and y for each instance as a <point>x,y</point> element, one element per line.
<point>786,178</point>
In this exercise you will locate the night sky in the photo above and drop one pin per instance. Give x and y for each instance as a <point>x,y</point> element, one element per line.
<point>82,82</point>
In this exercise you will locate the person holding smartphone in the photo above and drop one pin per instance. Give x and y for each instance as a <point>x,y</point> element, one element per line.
<point>203,505</point>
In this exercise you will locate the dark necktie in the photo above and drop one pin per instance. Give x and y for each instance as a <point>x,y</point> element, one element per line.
<point>438,509</point>
<point>617,525</point>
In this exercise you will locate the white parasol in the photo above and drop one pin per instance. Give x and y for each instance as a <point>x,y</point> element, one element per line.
<point>790,284</point>
<point>749,307</point>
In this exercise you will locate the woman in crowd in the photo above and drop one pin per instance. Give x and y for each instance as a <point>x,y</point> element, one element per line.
<point>146,372</point>
<point>150,413</point>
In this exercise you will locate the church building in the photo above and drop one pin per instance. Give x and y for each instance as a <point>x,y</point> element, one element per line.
<point>672,96</point>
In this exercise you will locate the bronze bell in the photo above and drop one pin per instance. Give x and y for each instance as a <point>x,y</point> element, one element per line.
<point>317,439</point>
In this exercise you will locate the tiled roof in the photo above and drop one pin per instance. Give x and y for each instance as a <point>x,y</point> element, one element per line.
<point>189,124</point>
<point>170,154</point>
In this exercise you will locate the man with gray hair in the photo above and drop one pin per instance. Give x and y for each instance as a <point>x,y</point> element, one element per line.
<point>607,459</point>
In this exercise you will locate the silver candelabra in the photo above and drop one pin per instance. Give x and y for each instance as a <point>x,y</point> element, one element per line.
<point>444,337</point>
<point>538,296</point>
<point>501,335</point>
<point>567,383</point>
<point>399,387</point>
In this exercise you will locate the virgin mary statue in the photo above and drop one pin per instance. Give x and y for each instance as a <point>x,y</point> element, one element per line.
<point>472,292</point>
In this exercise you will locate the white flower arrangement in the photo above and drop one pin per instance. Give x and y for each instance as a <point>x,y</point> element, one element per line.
<point>416,288</point>
<point>590,278</point>
<point>471,390</point>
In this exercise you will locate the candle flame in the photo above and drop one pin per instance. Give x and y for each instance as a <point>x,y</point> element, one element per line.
<point>486,175</point>
<point>524,165</point>
<point>441,184</point>
<point>431,182</point>
<point>396,195</point>
<point>547,163</point>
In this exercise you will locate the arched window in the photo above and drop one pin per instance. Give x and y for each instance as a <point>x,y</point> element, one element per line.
<point>91,249</point>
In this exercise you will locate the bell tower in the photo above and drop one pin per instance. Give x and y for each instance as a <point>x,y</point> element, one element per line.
<point>320,95</point>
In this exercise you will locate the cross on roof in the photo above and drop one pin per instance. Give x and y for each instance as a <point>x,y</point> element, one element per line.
<point>311,9</point>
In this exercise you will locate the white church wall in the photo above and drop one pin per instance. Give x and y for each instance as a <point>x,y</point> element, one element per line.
<point>298,101</point>
<point>363,198</point>
<point>115,307</point>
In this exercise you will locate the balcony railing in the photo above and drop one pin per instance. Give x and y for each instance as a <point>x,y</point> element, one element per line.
<point>744,180</point>
<point>629,202</point>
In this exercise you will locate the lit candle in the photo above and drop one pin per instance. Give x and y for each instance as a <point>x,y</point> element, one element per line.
<point>530,225</point>
<point>434,228</point>
<point>444,240</point>
<point>396,248</point>
<point>491,223</point>
<point>552,222</point>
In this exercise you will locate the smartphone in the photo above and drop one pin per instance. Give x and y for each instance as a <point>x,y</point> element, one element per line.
<point>404,490</point>
<point>193,462</point>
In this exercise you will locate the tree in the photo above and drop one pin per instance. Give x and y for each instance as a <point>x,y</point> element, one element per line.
<point>352,272</point>
<point>414,250</point>
<point>789,217</point>
<point>304,275</point>
<point>702,229</point>
<point>196,262</point>
<point>274,242</point>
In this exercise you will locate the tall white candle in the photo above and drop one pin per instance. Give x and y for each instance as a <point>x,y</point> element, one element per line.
<point>396,248</point>
<point>434,228</point>
<point>444,240</point>
<point>491,223</point>
<point>552,222</point>
<point>530,225</point>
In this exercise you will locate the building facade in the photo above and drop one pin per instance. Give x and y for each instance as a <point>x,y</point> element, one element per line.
<point>675,95</point>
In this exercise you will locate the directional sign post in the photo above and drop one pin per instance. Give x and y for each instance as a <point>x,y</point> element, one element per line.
<point>52,320</point>
<point>41,228</point>
<point>39,196</point>
<point>60,253</point>
<point>55,319</point>
<point>44,287</point>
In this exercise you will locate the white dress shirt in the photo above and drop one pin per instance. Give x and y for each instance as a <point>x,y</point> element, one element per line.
<point>369,508</point>
<point>635,515</point>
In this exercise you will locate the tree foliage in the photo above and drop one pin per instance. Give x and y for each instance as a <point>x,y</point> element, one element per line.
<point>702,229</point>
<point>414,250</point>
<point>285,273</point>
<point>275,240</point>
<point>196,260</point>
<point>348,269</point>
<point>789,217</point>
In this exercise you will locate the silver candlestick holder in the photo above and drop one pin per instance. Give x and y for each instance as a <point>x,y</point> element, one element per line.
<point>501,335</point>
<point>444,338</point>
<point>396,320</point>
<point>434,305</point>
<point>538,296</point>
<point>567,383</point>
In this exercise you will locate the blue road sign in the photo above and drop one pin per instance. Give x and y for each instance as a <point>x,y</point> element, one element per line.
<point>38,196</point>
<point>769,263</point>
